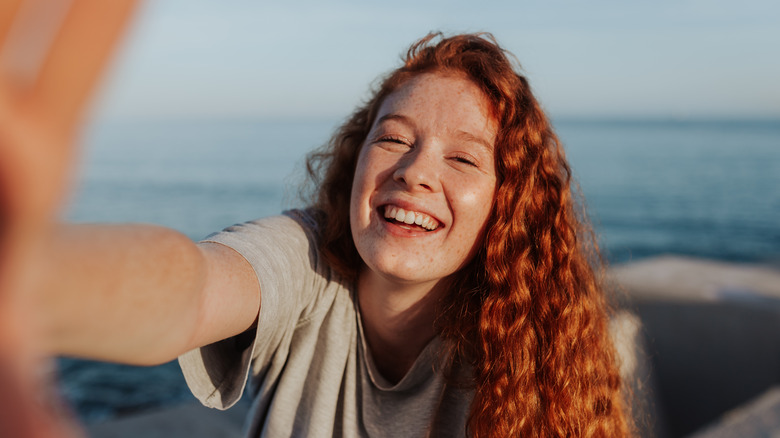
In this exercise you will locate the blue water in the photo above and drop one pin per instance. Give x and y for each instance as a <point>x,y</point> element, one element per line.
<point>700,188</point>
<point>709,188</point>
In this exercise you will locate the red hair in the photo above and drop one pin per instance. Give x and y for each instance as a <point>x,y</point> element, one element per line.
<point>528,313</point>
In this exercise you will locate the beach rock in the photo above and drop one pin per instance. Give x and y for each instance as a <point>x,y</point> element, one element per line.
<point>758,418</point>
<point>712,331</point>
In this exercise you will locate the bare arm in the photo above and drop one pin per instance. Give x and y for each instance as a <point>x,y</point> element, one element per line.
<point>141,294</point>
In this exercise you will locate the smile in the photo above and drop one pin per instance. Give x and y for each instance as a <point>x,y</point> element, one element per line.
<point>398,214</point>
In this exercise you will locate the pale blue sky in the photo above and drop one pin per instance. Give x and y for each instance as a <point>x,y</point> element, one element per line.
<point>203,58</point>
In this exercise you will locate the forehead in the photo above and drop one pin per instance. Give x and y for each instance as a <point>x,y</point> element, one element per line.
<point>442,101</point>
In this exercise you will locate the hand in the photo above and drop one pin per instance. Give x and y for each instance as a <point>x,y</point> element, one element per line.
<point>52,54</point>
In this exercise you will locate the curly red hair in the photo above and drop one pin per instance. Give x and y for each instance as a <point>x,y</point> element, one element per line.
<point>528,312</point>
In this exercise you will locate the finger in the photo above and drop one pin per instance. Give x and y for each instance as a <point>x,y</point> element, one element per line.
<point>79,54</point>
<point>8,11</point>
<point>31,33</point>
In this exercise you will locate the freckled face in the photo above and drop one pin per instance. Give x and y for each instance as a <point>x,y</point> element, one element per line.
<point>424,181</point>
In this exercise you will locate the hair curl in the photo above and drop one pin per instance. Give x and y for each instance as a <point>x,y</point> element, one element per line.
<point>528,312</point>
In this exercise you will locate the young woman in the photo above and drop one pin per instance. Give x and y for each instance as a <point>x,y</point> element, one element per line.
<point>440,284</point>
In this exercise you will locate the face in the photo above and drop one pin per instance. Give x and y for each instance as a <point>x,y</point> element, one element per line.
<point>424,181</point>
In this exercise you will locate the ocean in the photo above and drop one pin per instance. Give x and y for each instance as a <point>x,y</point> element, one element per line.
<point>702,188</point>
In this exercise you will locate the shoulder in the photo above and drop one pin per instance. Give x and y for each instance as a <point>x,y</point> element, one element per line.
<point>293,234</point>
<point>283,252</point>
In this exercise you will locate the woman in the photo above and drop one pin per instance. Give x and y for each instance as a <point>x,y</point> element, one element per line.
<point>440,285</point>
<point>444,210</point>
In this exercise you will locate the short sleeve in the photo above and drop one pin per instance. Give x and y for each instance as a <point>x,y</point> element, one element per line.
<point>282,252</point>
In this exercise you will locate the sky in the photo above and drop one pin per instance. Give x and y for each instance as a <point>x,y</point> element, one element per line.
<point>317,60</point>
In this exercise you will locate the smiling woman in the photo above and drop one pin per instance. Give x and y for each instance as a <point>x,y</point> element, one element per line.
<point>415,161</point>
<point>427,158</point>
<point>455,135</point>
<point>439,284</point>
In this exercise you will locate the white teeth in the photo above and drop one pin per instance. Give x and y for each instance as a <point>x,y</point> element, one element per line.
<point>411,217</point>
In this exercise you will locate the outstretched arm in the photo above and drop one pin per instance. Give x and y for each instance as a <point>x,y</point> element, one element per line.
<point>137,294</point>
<point>140,294</point>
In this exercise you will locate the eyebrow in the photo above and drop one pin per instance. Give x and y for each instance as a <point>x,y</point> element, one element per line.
<point>467,136</point>
<point>393,116</point>
<point>463,135</point>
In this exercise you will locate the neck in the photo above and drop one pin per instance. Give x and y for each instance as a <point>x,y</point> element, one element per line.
<point>397,321</point>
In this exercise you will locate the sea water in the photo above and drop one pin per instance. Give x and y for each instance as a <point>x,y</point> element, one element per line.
<point>703,188</point>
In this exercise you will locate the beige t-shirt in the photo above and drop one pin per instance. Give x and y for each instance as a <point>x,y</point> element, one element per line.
<point>312,375</point>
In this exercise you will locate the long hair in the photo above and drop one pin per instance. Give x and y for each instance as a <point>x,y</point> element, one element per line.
<point>527,313</point>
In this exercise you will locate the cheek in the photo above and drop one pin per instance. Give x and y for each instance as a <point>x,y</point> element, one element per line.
<point>361,188</point>
<point>476,203</point>
<point>355,216</point>
<point>372,171</point>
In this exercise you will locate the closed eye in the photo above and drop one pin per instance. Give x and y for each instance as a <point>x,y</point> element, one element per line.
<point>394,143</point>
<point>465,159</point>
<point>393,139</point>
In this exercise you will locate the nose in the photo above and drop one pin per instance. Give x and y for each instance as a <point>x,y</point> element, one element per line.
<point>418,170</point>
